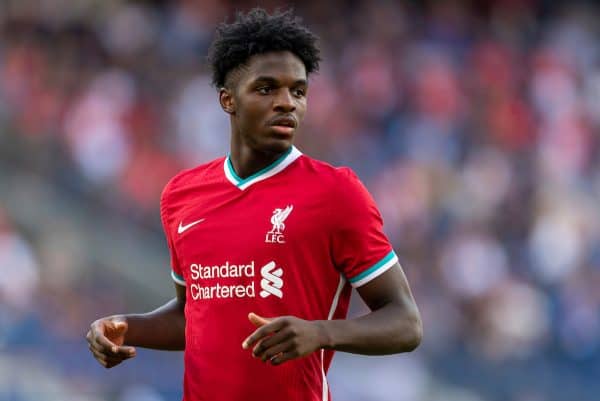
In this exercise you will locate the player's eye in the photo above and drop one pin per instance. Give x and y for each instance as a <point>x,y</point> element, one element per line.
<point>299,92</point>
<point>264,90</point>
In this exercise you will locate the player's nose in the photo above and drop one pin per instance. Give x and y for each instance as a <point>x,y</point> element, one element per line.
<point>284,101</point>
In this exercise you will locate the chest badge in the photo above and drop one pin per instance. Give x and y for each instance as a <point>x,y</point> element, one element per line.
<point>275,235</point>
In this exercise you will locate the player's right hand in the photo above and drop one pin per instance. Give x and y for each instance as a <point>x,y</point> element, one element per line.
<point>106,338</point>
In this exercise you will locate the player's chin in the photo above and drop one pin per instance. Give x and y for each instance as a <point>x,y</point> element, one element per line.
<point>278,144</point>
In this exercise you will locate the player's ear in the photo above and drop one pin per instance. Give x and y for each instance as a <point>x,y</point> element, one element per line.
<point>227,100</point>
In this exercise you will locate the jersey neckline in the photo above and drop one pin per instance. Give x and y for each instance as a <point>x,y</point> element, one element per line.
<point>274,168</point>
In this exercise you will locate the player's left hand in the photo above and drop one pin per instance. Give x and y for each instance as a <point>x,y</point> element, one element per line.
<point>280,339</point>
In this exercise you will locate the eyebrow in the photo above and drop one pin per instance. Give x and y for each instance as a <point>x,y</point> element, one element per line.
<point>272,80</point>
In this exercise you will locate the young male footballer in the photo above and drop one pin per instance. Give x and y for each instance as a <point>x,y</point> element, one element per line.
<point>267,243</point>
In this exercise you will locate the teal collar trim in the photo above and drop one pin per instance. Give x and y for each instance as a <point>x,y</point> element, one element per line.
<point>276,167</point>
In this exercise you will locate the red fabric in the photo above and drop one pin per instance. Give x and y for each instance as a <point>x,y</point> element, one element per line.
<point>333,220</point>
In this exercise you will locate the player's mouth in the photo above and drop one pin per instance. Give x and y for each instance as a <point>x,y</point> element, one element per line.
<point>285,125</point>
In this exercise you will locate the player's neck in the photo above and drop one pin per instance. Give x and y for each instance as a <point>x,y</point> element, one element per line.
<point>247,161</point>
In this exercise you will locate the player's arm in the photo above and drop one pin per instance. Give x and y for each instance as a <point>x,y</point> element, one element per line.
<point>113,339</point>
<point>392,326</point>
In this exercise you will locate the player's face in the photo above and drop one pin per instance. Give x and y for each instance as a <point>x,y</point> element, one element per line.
<point>270,101</point>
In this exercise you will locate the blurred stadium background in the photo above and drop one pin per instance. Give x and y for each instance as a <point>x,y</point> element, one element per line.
<point>475,124</point>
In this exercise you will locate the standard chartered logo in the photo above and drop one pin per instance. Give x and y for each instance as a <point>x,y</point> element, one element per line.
<point>231,281</point>
<point>271,283</point>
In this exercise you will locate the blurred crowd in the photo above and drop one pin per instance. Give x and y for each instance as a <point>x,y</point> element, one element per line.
<point>476,128</point>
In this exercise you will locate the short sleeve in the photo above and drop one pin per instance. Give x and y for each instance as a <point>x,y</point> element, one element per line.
<point>176,271</point>
<point>360,248</point>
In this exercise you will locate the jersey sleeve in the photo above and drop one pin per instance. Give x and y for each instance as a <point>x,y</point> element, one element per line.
<point>168,227</point>
<point>360,249</point>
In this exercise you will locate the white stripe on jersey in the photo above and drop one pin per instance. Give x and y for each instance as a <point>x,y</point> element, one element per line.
<point>334,305</point>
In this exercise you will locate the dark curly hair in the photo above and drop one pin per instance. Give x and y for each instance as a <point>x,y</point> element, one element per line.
<point>258,32</point>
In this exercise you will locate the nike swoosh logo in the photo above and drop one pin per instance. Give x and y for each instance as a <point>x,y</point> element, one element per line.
<point>181,229</point>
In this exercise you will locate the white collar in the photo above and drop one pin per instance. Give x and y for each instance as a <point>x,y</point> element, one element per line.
<point>274,168</point>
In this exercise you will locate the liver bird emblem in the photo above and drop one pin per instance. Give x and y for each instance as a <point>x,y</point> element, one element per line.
<point>278,218</point>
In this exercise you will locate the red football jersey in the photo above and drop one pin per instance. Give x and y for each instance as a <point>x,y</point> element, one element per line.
<point>291,239</point>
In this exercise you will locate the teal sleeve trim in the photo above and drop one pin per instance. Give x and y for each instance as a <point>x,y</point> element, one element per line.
<point>382,263</point>
<point>177,278</point>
